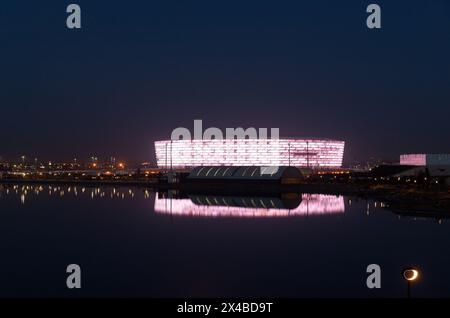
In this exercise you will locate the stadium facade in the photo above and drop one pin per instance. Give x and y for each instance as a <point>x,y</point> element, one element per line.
<point>189,153</point>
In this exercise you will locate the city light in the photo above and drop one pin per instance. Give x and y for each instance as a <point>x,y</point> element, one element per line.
<point>411,275</point>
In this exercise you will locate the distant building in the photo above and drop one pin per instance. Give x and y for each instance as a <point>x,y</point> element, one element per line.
<point>425,159</point>
<point>433,165</point>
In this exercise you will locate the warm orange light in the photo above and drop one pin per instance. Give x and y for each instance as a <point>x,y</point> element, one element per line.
<point>121,165</point>
<point>94,165</point>
<point>410,274</point>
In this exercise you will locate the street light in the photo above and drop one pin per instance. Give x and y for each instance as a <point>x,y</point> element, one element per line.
<point>410,274</point>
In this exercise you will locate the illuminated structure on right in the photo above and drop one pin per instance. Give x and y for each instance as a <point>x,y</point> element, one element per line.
<point>425,159</point>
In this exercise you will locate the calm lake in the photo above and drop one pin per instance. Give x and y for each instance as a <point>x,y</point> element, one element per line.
<point>131,242</point>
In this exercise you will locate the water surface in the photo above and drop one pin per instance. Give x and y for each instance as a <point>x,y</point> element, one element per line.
<point>133,242</point>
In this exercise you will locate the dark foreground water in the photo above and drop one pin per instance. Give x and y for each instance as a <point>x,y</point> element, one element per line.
<point>130,242</point>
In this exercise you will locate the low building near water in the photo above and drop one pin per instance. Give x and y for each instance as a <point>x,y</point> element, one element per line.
<point>432,165</point>
<point>425,160</point>
<point>283,175</point>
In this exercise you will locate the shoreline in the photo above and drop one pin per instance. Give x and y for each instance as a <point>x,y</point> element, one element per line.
<point>394,196</point>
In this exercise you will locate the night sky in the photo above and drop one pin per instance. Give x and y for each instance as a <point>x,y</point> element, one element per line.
<point>138,69</point>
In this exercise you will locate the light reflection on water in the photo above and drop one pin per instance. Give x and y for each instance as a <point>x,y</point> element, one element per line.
<point>254,246</point>
<point>194,205</point>
<point>223,206</point>
<point>26,192</point>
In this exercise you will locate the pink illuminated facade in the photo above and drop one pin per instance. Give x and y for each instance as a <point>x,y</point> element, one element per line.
<point>425,159</point>
<point>313,153</point>
<point>413,159</point>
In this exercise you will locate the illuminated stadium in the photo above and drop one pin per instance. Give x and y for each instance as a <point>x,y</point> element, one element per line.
<point>312,153</point>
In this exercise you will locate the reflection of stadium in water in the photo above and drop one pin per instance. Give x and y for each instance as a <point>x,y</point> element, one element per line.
<point>195,205</point>
<point>227,206</point>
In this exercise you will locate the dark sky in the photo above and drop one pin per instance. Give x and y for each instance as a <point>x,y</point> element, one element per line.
<point>138,69</point>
